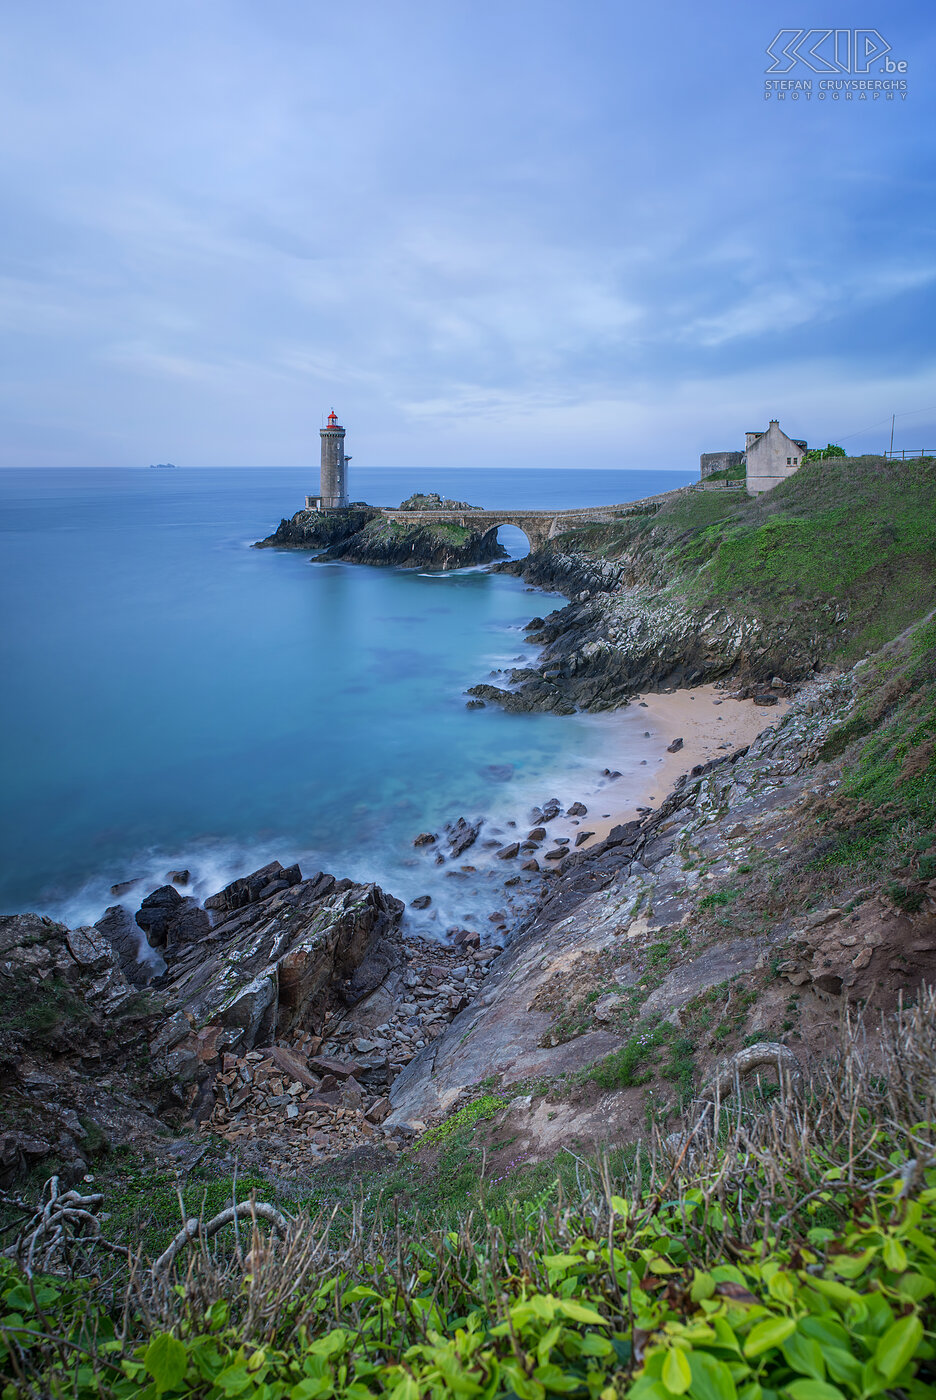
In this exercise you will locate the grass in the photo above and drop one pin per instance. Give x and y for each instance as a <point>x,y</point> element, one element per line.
<point>842,554</point>
<point>40,1009</point>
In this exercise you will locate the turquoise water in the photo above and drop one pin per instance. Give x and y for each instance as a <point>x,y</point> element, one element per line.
<point>174,697</point>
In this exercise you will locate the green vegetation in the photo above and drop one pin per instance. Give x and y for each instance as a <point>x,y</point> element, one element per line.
<point>40,1010</point>
<point>822,454</point>
<point>789,1253</point>
<point>474,1112</point>
<point>882,820</point>
<point>842,553</point>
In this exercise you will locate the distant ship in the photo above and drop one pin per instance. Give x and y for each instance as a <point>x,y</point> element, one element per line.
<point>162,466</point>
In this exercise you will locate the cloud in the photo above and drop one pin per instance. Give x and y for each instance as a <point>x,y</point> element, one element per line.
<point>452,222</point>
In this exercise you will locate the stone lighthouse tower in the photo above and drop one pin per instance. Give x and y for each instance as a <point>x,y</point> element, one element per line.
<point>334,480</point>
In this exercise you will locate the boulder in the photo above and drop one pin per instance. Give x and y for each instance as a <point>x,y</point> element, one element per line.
<point>378,1110</point>
<point>578,809</point>
<point>462,834</point>
<point>425,838</point>
<point>326,1065</point>
<point>421,901</point>
<point>125,885</point>
<point>281,963</point>
<point>188,925</point>
<point>156,912</point>
<point>508,852</point>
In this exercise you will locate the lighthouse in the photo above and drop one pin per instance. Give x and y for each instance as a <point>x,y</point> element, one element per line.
<point>334,479</point>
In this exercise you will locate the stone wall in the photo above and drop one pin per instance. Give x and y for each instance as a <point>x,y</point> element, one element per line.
<point>710,462</point>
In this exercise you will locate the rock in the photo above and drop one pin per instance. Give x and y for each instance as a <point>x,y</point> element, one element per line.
<point>274,965</point>
<point>324,1064</point>
<point>292,1063</point>
<point>582,837</point>
<point>188,925</point>
<point>578,809</point>
<point>156,913</point>
<point>18,1151</point>
<point>91,949</point>
<point>475,704</point>
<point>251,888</point>
<point>352,1095</point>
<point>125,885</point>
<point>178,877</point>
<point>466,938</point>
<point>765,698</point>
<point>462,834</point>
<point>557,854</point>
<point>530,865</point>
<point>675,746</point>
<point>126,938</point>
<point>606,1006</point>
<point>537,834</point>
<point>378,1110</point>
<point>421,901</point>
<point>508,852</point>
<point>425,838</point>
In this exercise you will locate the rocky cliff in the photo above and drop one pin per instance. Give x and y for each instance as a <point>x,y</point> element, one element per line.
<point>711,585</point>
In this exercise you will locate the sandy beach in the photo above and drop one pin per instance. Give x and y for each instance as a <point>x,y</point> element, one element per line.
<point>708,721</point>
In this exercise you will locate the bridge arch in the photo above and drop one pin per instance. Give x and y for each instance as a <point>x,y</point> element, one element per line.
<point>510,545</point>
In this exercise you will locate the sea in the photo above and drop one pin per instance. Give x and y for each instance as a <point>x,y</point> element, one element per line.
<point>174,698</point>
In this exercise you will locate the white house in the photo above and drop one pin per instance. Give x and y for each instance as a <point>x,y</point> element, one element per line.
<point>771,457</point>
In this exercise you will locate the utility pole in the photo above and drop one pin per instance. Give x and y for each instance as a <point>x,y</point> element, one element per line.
<point>893,418</point>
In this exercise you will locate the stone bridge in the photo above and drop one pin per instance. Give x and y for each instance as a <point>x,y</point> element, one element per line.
<point>538,525</point>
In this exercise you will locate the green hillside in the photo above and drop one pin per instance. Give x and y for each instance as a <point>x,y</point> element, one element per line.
<point>858,533</point>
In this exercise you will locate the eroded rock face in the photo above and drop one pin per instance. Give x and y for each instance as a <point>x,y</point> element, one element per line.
<point>73,1045</point>
<point>600,651</point>
<point>313,529</point>
<point>278,961</point>
<point>249,888</point>
<point>424,546</point>
<point>84,1042</point>
<point>872,955</point>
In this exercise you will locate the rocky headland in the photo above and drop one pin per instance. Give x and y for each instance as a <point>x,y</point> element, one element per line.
<point>362,535</point>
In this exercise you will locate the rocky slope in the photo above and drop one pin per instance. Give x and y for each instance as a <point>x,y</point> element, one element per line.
<point>274,1017</point>
<point>768,891</point>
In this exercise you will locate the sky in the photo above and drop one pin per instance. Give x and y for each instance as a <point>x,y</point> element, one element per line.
<point>532,233</point>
